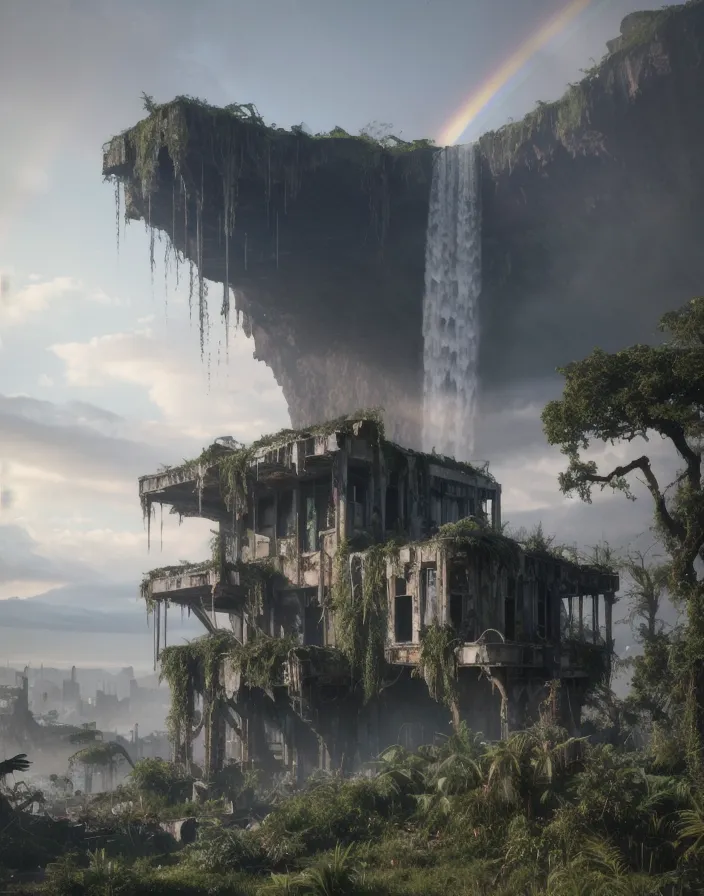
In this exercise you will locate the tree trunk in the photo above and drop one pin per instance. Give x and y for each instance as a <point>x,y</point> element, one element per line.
<point>694,698</point>
<point>455,709</point>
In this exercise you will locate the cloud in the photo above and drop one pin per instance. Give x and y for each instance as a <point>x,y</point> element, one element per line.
<point>37,297</point>
<point>23,563</point>
<point>61,439</point>
<point>241,397</point>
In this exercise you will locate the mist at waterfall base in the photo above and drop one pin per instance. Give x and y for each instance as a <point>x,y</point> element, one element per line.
<point>453,280</point>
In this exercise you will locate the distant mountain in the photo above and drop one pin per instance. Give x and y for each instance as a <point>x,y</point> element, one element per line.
<point>33,613</point>
<point>106,596</point>
<point>109,608</point>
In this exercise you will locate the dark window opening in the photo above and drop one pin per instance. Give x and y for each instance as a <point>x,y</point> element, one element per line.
<point>317,500</point>
<point>461,604</point>
<point>285,517</point>
<point>356,504</point>
<point>265,516</point>
<point>457,611</point>
<point>313,624</point>
<point>403,618</point>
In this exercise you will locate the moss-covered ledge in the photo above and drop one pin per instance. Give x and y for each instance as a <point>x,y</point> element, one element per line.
<point>321,238</point>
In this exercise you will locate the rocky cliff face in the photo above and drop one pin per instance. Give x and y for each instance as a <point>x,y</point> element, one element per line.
<point>593,205</point>
<point>321,238</point>
<point>587,202</point>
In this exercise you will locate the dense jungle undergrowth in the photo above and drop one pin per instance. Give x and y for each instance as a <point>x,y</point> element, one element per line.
<point>539,813</point>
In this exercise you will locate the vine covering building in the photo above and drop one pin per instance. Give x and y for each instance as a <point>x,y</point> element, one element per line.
<point>359,595</point>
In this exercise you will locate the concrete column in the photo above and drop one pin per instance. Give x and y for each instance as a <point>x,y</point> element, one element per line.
<point>609,600</point>
<point>496,509</point>
<point>581,616</point>
<point>341,510</point>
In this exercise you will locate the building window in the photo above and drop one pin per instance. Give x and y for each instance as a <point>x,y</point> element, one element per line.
<point>429,596</point>
<point>284,517</point>
<point>317,498</point>
<point>403,613</point>
<point>313,622</point>
<point>356,505</point>
<point>461,603</point>
<point>265,516</point>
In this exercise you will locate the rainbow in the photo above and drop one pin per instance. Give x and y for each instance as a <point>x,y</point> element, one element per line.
<point>480,98</point>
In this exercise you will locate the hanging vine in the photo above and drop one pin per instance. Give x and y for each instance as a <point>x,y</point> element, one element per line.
<point>194,670</point>
<point>195,143</point>
<point>361,615</point>
<point>437,663</point>
<point>261,660</point>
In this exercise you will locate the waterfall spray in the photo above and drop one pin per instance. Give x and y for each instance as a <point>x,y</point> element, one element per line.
<point>453,279</point>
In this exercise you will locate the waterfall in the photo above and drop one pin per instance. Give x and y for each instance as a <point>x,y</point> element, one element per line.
<point>453,280</point>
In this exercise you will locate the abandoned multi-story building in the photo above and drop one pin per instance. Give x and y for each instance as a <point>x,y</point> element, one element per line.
<point>368,598</point>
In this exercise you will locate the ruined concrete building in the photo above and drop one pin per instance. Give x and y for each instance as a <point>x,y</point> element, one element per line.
<point>360,595</point>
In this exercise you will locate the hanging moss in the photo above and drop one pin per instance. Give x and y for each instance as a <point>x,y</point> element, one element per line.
<point>193,670</point>
<point>437,663</point>
<point>204,143</point>
<point>261,660</point>
<point>256,578</point>
<point>361,619</point>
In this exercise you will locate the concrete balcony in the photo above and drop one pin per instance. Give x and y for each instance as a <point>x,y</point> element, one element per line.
<point>194,585</point>
<point>472,654</point>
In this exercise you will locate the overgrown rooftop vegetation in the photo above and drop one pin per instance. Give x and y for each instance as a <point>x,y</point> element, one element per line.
<point>233,465</point>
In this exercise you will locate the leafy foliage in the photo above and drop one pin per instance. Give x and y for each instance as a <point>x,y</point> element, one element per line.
<point>361,614</point>
<point>630,395</point>
<point>438,663</point>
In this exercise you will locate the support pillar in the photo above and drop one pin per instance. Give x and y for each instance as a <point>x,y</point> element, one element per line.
<point>609,600</point>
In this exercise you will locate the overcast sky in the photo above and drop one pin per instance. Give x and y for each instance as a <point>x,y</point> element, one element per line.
<point>100,381</point>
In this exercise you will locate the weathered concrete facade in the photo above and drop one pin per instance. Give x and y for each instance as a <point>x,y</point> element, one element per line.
<point>300,515</point>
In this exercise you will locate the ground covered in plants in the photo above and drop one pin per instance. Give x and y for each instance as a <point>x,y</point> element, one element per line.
<point>540,813</point>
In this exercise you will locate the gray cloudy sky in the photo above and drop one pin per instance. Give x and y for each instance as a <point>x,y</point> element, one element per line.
<point>98,381</point>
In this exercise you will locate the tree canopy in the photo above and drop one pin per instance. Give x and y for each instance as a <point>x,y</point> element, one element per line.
<point>643,392</point>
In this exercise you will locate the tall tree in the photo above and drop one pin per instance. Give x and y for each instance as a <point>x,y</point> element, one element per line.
<point>636,393</point>
<point>645,594</point>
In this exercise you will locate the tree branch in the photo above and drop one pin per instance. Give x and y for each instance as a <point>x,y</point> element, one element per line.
<point>693,459</point>
<point>673,528</point>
